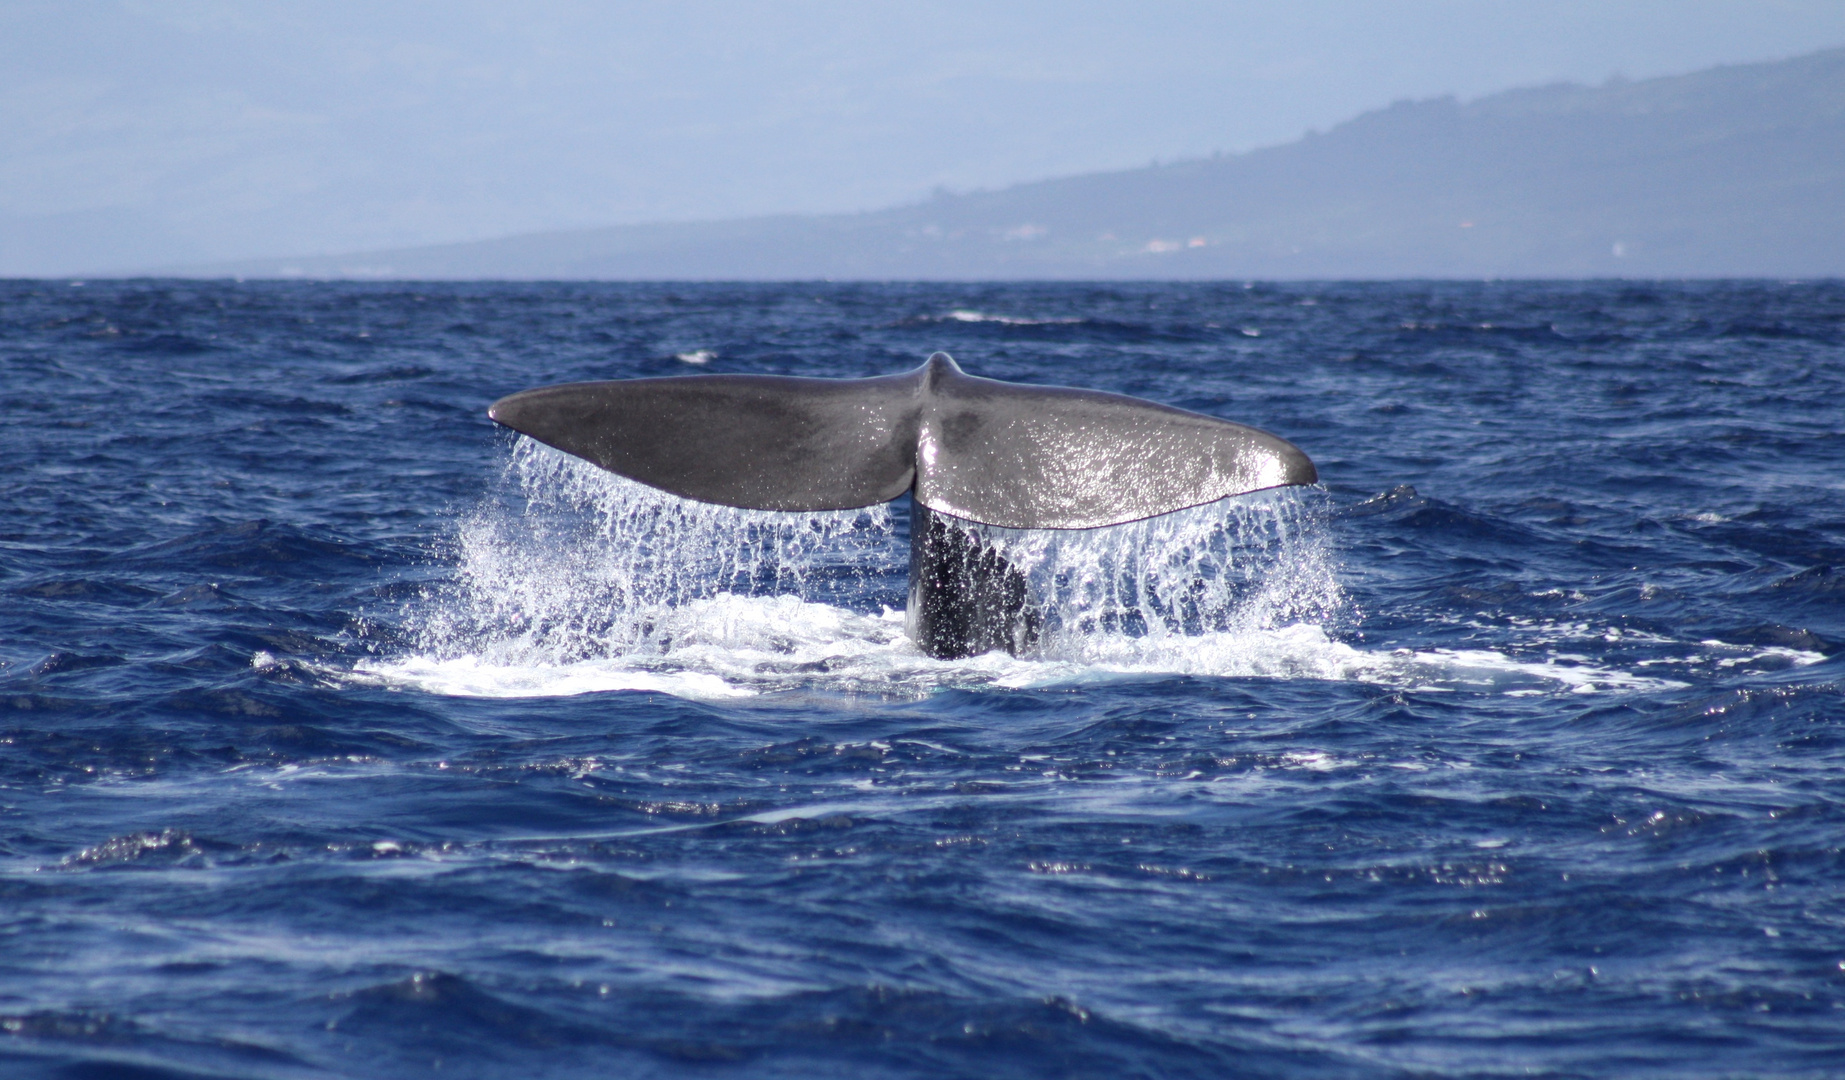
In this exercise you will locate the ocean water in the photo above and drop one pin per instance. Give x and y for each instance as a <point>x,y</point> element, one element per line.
<point>343,734</point>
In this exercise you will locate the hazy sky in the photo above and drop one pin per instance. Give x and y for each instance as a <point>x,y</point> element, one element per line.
<point>142,133</point>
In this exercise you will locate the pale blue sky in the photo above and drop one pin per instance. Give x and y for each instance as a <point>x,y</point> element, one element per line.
<point>137,133</point>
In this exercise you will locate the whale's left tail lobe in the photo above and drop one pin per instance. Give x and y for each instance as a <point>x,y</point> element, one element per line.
<point>992,452</point>
<point>762,442</point>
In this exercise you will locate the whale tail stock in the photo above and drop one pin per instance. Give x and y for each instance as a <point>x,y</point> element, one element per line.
<point>991,452</point>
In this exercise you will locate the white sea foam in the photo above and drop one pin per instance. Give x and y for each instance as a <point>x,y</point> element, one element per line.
<point>970,316</point>
<point>574,581</point>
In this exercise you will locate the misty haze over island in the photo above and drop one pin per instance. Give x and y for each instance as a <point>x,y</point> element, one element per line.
<point>1733,172</point>
<point>944,140</point>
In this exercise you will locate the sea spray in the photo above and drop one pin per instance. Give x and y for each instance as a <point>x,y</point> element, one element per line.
<point>566,564</point>
<point>1241,566</point>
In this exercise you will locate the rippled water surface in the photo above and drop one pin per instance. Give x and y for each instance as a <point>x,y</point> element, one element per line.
<point>344,735</point>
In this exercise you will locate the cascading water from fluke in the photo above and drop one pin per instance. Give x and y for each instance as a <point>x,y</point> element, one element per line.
<point>972,452</point>
<point>1231,570</point>
<point>568,579</point>
<point>573,563</point>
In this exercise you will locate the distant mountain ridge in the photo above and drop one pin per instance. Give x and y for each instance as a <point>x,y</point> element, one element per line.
<point>1735,171</point>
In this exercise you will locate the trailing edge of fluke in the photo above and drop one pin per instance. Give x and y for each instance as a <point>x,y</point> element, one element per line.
<point>997,453</point>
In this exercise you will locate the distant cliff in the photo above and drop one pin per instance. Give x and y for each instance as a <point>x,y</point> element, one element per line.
<point>1734,171</point>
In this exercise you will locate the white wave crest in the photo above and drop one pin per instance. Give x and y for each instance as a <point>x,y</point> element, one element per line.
<point>970,316</point>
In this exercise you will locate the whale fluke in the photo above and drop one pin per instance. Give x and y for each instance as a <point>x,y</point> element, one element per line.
<point>967,449</point>
<point>997,453</point>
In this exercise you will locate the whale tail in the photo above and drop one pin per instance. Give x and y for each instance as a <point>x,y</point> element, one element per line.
<point>1020,457</point>
<point>981,450</point>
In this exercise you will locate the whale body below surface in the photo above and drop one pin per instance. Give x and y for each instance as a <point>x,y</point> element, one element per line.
<point>978,450</point>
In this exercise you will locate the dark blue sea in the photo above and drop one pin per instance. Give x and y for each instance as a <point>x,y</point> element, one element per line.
<point>344,734</point>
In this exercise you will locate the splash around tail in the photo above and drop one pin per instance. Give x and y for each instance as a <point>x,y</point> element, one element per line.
<point>567,579</point>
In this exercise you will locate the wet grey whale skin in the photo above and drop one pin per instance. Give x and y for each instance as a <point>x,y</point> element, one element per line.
<point>978,450</point>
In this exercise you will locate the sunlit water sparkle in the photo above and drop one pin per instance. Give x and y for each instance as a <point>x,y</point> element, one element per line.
<point>342,734</point>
